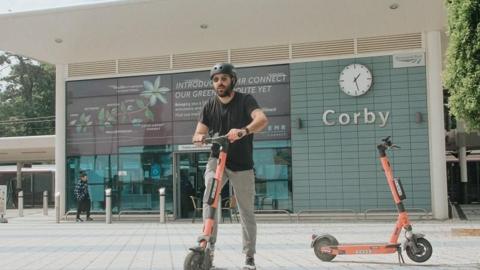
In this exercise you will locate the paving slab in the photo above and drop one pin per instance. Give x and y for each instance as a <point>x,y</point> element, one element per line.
<point>37,242</point>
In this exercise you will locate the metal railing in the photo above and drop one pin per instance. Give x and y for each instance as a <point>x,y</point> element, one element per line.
<point>420,213</point>
<point>331,213</point>
<point>275,211</point>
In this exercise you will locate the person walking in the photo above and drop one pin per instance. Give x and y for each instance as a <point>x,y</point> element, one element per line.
<point>238,116</point>
<point>83,197</point>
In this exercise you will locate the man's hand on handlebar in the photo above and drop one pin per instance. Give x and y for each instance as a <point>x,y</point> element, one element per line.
<point>236,134</point>
<point>198,139</point>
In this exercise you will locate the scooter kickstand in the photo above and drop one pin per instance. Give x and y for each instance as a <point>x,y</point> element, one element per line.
<point>400,256</point>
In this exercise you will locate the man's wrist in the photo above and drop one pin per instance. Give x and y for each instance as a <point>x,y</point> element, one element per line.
<point>247,131</point>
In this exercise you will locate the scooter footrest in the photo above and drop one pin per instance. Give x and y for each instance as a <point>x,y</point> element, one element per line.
<point>371,244</point>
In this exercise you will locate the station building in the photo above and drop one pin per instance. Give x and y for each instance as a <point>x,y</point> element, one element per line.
<point>333,77</point>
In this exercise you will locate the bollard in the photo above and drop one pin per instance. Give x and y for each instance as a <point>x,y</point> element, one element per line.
<point>108,206</point>
<point>162,204</point>
<point>20,203</point>
<point>3,203</point>
<point>57,207</point>
<point>45,203</point>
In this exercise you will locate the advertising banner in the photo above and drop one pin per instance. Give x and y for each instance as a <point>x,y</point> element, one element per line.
<point>91,88</point>
<point>105,114</point>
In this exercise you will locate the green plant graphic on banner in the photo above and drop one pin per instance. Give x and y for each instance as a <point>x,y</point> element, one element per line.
<point>136,113</point>
<point>83,123</point>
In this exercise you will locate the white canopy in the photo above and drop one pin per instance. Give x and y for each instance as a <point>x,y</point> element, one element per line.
<point>129,29</point>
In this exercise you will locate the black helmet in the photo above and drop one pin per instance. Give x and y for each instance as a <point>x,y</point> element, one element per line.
<point>224,68</point>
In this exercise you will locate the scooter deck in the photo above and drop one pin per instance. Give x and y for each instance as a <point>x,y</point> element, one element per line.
<point>361,248</point>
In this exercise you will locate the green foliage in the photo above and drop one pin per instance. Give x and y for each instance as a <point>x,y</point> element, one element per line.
<point>462,74</point>
<point>27,103</point>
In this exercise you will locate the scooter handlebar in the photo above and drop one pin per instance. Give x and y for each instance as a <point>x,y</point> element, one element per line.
<point>215,139</point>
<point>387,143</point>
<point>218,139</point>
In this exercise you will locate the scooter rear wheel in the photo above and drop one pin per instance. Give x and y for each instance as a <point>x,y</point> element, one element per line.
<point>323,242</point>
<point>424,253</point>
<point>193,261</point>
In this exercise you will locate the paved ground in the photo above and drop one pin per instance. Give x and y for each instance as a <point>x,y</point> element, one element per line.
<point>37,242</point>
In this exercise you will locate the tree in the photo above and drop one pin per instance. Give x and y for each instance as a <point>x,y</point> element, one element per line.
<point>27,104</point>
<point>462,74</point>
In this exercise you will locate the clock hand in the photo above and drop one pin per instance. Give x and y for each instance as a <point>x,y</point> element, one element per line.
<point>357,85</point>
<point>355,79</point>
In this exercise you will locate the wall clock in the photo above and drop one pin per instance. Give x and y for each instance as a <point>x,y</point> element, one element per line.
<point>355,80</point>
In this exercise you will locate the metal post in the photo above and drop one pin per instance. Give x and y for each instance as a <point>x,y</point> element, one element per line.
<point>108,206</point>
<point>162,204</point>
<point>3,203</point>
<point>19,175</point>
<point>20,203</point>
<point>57,207</point>
<point>45,203</point>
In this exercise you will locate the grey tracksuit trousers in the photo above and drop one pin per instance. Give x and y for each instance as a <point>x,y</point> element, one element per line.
<point>243,183</point>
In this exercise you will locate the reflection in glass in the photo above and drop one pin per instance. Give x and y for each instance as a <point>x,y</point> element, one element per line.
<point>134,178</point>
<point>191,170</point>
<point>273,184</point>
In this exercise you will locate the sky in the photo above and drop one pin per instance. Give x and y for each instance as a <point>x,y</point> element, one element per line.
<point>12,6</point>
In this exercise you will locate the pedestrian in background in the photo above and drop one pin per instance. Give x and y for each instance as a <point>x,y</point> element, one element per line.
<point>82,196</point>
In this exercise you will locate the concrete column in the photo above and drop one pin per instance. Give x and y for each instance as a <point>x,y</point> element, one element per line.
<point>438,170</point>
<point>60,159</point>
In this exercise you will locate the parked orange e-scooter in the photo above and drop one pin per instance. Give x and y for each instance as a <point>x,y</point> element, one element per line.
<point>199,257</point>
<point>418,249</point>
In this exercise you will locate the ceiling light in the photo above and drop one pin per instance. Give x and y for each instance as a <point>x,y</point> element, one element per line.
<point>204,26</point>
<point>394,6</point>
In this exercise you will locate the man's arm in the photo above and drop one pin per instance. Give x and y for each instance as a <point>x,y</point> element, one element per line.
<point>200,134</point>
<point>259,122</point>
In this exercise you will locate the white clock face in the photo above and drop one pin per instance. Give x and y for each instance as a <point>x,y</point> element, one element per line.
<point>355,80</point>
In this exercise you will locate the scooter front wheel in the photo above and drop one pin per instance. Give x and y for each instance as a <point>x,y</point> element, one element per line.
<point>324,242</point>
<point>424,251</point>
<point>193,261</point>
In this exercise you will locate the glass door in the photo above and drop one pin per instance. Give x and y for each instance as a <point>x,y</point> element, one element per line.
<point>190,169</point>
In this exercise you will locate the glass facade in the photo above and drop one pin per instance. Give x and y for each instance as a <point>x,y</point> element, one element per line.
<point>123,131</point>
<point>273,178</point>
<point>133,177</point>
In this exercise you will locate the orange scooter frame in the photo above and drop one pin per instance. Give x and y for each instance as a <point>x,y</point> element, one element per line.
<point>199,257</point>
<point>418,249</point>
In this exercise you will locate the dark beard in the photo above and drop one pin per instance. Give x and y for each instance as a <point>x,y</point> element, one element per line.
<point>226,93</point>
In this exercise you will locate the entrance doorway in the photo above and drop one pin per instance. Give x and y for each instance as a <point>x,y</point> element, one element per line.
<point>190,170</point>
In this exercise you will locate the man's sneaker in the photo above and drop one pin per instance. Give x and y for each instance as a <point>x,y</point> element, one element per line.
<point>249,263</point>
<point>79,219</point>
<point>212,255</point>
<point>89,219</point>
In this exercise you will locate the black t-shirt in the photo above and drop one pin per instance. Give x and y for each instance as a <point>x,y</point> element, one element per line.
<point>219,117</point>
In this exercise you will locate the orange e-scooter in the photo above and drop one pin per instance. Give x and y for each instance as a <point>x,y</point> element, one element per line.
<point>418,249</point>
<point>199,257</point>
